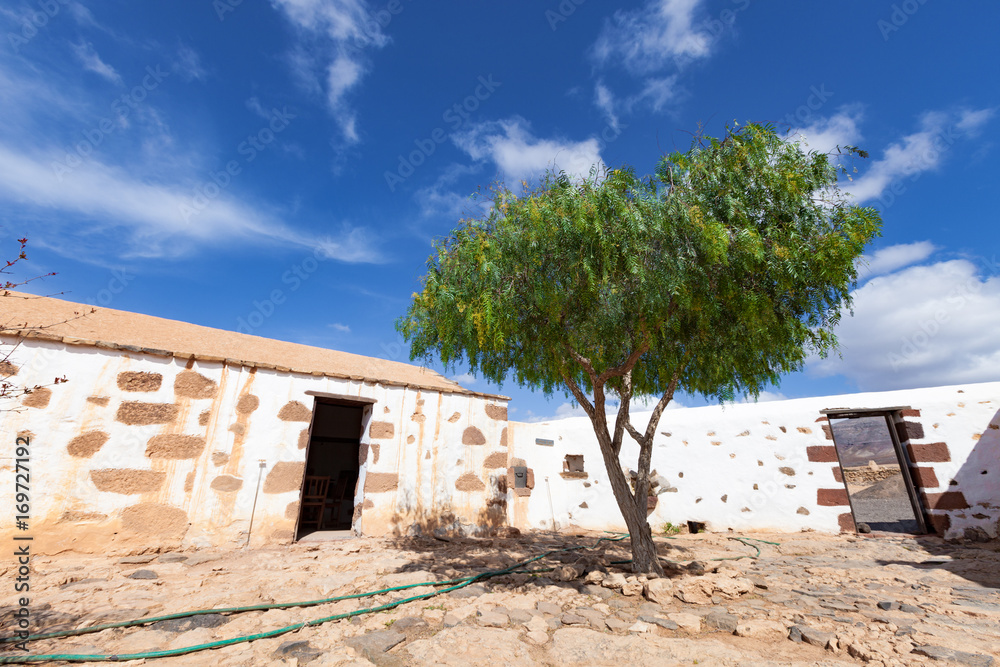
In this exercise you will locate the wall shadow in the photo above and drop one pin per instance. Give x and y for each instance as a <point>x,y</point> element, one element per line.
<point>974,553</point>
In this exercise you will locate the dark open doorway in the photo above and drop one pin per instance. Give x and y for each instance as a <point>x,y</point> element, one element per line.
<point>876,472</point>
<point>332,466</point>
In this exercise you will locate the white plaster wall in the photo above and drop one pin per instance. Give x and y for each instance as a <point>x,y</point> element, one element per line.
<point>717,451</point>
<point>62,483</point>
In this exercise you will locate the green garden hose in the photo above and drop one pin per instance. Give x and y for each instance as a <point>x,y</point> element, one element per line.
<point>461,583</point>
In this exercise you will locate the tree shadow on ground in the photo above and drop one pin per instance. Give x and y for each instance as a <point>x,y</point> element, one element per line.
<point>457,557</point>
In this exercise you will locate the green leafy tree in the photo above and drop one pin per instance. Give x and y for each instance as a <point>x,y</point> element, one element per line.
<point>716,276</point>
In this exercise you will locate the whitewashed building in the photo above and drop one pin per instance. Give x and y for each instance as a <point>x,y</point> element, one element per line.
<point>169,434</point>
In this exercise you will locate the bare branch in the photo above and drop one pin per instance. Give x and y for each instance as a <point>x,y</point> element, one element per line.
<point>583,361</point>
<point>626,366</point>
<point>581,398</point>
<point>661,405</point>
<point>622,420</point>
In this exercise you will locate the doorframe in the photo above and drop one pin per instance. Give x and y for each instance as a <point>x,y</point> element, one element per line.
<point>363,402</point>
<point>905,465</point>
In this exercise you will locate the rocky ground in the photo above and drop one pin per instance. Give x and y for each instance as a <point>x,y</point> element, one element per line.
<point>814,600</point>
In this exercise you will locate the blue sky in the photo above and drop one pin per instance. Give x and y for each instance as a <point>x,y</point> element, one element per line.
<point>282,167</point>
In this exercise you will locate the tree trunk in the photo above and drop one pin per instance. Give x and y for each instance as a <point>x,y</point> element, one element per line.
<point>644,558</point>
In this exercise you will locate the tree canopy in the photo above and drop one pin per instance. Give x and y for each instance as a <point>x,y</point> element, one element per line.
<point>716,275</point>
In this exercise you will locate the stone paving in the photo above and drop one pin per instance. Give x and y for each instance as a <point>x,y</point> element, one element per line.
<point>814,600</point>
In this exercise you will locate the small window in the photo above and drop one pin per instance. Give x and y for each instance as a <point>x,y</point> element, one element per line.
<point>573,463</point>
<point>573,467</point>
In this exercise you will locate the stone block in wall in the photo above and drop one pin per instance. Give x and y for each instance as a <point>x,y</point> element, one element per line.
<point>381,430</point>
<point>38,397</point>
<point>940,523</point>
<point>496,460</point>
<point>378,482</point>
<point>822,453</point>
<point>498,412</point>
<point>136,413</point>
<point>127,481</point>
<point>470,482</point>
<point>191,384</point>
<point>473,436</point>
<point>925,477</point>
<point>831,497</point>
<point>909,412</point>
<point>175,446</point>
<point>87,444</point>
<point>284,476</point>
<point>846,522</point>
<point>838,474</point>
<point>294,411</point>
<point>949,500</point>
<point>139,381</point>
<point>935,452</point>
<point>907,430</point>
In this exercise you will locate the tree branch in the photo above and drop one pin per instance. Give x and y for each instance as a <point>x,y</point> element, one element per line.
<point>627,365</point>
<point>581,398</point>
<point>622,421</point>
<point>661,405</point>
<point>583,361</point>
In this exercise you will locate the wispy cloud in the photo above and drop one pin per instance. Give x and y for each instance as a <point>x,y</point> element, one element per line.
<point>652,38</point>
<point>102,198</point>
<point>187,64</point>
<point>465,379</point>
<point>91,61</point>
<point>518,154</point>
<point>337,34</point>
<point>826,134</point>
<point>894,257</point>
<point>340,328</point>
<point>920,151</point>
<point>124,196</point>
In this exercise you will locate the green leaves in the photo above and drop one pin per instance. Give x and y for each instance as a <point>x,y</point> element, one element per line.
<point>737,255</point>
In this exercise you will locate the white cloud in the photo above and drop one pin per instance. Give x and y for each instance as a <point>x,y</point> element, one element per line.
<point>826,134</point>
<point>342,74</point>
<point>442,199</point>
<point>604,100</point>
<point>341,30</point>
<point>894,257</point>
<point>764,397</point>
<point>188,64</point>
<point>518,154</point>
<point>465,379</point>
<point>971,122</point>
<point>649,39</point>
<point>918,152</point>
<point>340,20</point>
<point>101,199</point>
<point>656,92</point>
<point>85,53</point>
<point>341,328</point>
<point>923,326</point>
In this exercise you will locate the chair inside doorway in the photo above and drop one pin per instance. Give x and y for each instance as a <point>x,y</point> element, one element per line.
<point>332,468</point>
